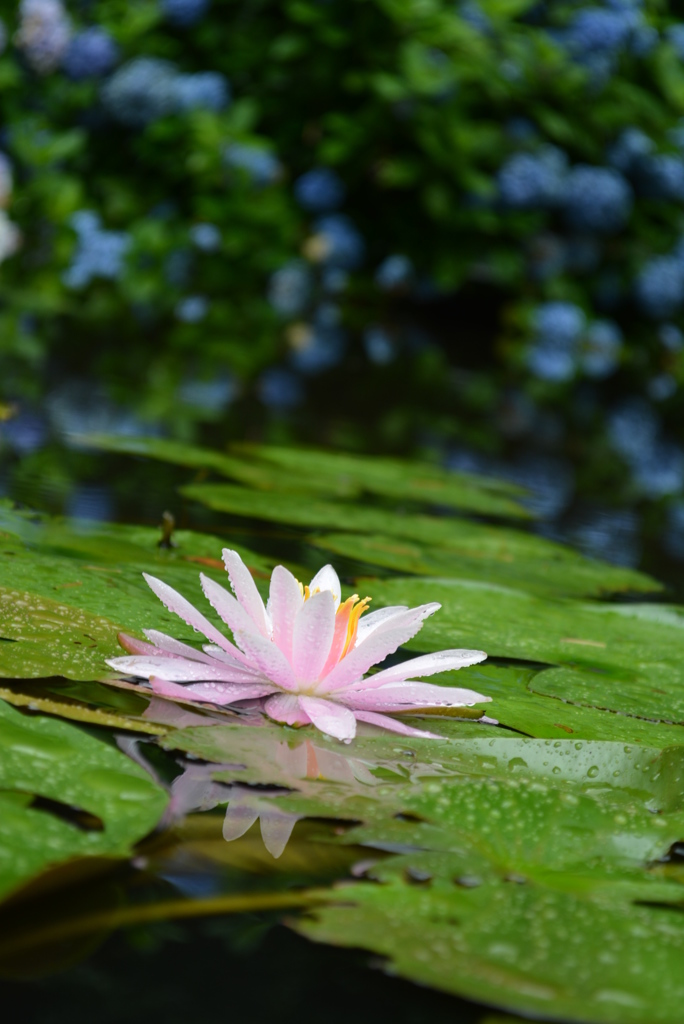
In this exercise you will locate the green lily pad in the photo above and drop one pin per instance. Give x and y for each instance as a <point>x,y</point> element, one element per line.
<point>631,651</point>
<point>475,551</point>
<point>115,802</point>
<point>334,473</point>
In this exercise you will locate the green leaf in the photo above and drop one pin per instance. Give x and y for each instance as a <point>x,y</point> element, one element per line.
<point>80,774</point>
<point>635,654</point>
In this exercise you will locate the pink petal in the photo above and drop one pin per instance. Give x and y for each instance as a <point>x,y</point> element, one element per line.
<point>403,696</point>
<point>177,604</point>
<point>228,607</point>
<point>276,829</point>
<point>327,579</point>
<point>135,646</point>
<point>270,660</point>
<point>180,670</point>
<point>238,820</point>
<point>427,665</point>
<point>169,645</point>
<point>384,722</point>
<point>369,623</point>
<point>313,633</point>
<point>382,641</point>
<point>208,693</point>
<point>284,707</point>
<point>285,601</point>
<point>245,590</point>
<point>330,718</point>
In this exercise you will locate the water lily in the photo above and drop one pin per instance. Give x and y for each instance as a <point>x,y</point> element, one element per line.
<point>304,654</point>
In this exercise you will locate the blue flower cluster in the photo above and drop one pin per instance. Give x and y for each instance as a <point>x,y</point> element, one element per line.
<point>147,88</point>
<point>565,345</point>
<point>319,190</point>
<point>98,253</point>
<point>656,463</point>
<point>259,165</point>
<point>597,37</point>
<point>184,12</point>
<point>90,54</point>
<point>43,34</point>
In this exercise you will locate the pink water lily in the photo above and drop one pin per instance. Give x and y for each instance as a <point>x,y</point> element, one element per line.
<point>304,654</point>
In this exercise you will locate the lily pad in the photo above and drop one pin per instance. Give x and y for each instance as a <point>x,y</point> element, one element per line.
<point>334,473</point>
<point>93,799</point>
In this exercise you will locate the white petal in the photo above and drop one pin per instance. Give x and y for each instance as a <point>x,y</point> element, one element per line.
<point>285,601</point>
<point>245,590</point>
<point>369,623</point>
<point>180,606</point>
<point>427,665</point>
<point>327,579</point>
<point>385,722</point>
<point>405,695</point>
<point>329,717</point>
<point>314,628</point>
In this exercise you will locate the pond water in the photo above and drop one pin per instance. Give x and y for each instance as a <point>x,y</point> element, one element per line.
<point>163,853</point>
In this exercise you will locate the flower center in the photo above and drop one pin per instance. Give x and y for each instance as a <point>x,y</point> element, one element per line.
<point>350,611</point>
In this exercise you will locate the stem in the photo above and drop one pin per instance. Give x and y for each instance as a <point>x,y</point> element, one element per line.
<point>146,912</point>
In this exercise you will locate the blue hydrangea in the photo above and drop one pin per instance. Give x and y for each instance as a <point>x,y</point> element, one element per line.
<point>561,322</point>
<point>629,150</point>
<point>547,361</point>
<point>192,309</point>
<point>659,287</point>
<point>212,396</point>
<point>206,90</point>
<point>206,237</point>
<point>600,353</point>
<point>184,12</point>
<point>141,91</point>
<point>43,34</point>
<point>317,347</point>
<point>98,253</point>
<point>661,387</point>
<point>379,346</point>
<point>394,273</point>
<point>24,433</point>
<point>334,280</point>
<point>280,389</point>
<point>90,54</point>
<point>319,190</point>
<point>289,290</point>
<point>530,181</point>
<point>598,30</point>
<point>258,164</point>
<point>473,15</point>
<point>661,176</point>
<point>596,199</point>
<point>634,429</point>
<point>339,242</point>
<point>675,37</point>
<point>671,337</point>
<point>662,472</point>
<point>643,40</point>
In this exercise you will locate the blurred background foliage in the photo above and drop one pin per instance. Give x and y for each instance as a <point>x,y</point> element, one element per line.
<point>415,226</point>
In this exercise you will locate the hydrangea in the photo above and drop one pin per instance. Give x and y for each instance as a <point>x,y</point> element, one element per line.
<point>289,290</point>
<point>24,433</point>
<point>661,176</point>
<point>595,30</point>
<point>98,253</point>
<point>316,347</point>
<point>319,190</point>
<point>662,471</point>
<point>206,237</point>
<point>192,309</point>
<point>337,242</point>
<point>530,181</point>
<point>280,389</point>
<point>261,166</point>
<point>184,12</point>
<point>305,655</point>
<point>661,387</point>
<point>141,91</point>
<point>90,54</point>
<point>43,34</point>
<point>212,396</point>
<point>206,90</point>
<point>659,287</point>
<point>394,273</point>
<point>671,337</point>
<point>557,328</point>
<point>634,428</point>
<point>675,37</point>
<point>379,346</point>
<point>596,199</point>
<point>629,149</point>
<point>600,353</point>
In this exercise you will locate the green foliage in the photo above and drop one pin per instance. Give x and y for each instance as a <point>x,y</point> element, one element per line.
<point>81,775</point>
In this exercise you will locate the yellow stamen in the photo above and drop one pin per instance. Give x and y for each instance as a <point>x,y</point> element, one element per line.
<point>356,609</point>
